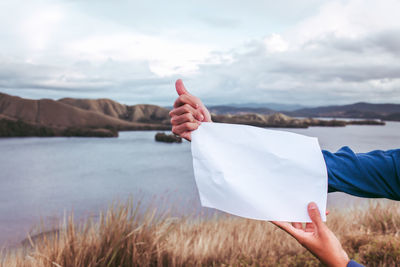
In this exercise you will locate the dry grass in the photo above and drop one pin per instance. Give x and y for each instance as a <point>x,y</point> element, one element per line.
<point>125,237</point>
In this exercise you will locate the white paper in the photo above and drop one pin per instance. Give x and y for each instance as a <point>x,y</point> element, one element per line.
<point>258,173</point>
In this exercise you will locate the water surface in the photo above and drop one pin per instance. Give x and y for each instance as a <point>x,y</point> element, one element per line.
<point>43,177</point>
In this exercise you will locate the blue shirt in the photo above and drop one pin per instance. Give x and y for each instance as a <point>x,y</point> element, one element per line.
<point>354,264</point>
<point>375,174</point>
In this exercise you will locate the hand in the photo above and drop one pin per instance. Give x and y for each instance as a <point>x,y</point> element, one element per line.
<point>317,238</point>
<point>188,112</point>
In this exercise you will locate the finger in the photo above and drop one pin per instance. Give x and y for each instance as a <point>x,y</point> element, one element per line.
<point>186,99</point>
<point>287,227</point>
<point>327,212</point>
<point>187,109</point>
<point>187,136</point>
<point>180,88</point>
<point>186,117</point>
<point>309,227</point>
<point>315,215</point>
<point>297,225</point>
<point>203,111</point>
<point>184,127</point>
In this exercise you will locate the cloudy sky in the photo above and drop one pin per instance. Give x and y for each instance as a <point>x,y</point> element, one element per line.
<point>308,52</point>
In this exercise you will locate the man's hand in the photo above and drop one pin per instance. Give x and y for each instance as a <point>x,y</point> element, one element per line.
<point>188,112</point>
<point>317,238</point>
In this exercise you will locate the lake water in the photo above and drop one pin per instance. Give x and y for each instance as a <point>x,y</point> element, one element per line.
<point>41,178</point>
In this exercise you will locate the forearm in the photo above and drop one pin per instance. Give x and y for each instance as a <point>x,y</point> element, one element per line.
<point>374,175</point>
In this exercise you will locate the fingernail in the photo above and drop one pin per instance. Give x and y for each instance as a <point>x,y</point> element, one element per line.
<point>201,117</point>
<point>197,105</point>
<point>312,206</point>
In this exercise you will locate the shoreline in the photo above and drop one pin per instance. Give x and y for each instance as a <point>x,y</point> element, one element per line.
<point>10,128</point>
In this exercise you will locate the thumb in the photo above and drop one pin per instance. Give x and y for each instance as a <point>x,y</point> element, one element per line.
<point>315,215</point>
<point>180,88</point>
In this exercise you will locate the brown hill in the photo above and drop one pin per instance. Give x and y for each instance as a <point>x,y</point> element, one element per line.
<point>137,113</point>
<point>78,113</point>
<point>104,106</point>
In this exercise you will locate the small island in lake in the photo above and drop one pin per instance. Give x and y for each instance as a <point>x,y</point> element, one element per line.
<point>167,138</point>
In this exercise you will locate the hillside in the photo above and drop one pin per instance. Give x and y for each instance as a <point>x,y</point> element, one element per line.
<point>138,113</point>
<point>80,114</point>
<point>52,113</point>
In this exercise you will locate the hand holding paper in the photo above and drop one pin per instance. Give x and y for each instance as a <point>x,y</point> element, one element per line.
<point>188,112</point>
<point>317,238</point>
<point>258,173</point>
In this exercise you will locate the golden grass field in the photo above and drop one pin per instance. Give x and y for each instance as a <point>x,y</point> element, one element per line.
<point>122,236</point>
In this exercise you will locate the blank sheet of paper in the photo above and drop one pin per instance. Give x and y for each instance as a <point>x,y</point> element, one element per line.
<point>258,173</point>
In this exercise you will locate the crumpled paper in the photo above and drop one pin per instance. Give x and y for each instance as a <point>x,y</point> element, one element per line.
<point>258,173</point>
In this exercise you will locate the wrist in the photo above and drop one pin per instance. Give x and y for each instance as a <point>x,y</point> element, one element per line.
<point>341,261</point>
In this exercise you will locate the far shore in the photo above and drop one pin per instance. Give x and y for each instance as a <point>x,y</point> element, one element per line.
<point>19,128</point>
<point>20,117</point>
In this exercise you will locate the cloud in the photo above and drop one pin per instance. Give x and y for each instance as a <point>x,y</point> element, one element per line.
<point>38,28</point>
<point>342,52</point>
<point>275,43</point>
<point>325,70</point>
<point>128,82</point>
<point>165,57</point>
<point>347,52</point>
<point>221,22</point>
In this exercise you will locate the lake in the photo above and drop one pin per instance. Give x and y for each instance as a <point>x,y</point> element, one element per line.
<point>41,178</point>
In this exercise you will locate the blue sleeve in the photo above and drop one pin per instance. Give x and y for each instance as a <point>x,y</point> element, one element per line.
<point>375,174</point>
<point>354,264</point>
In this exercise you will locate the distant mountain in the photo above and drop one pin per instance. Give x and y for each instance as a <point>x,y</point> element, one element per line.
<point>224,110</point>
<point>283,121</point>
<point>272,106</point>
<point>362,110</point>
